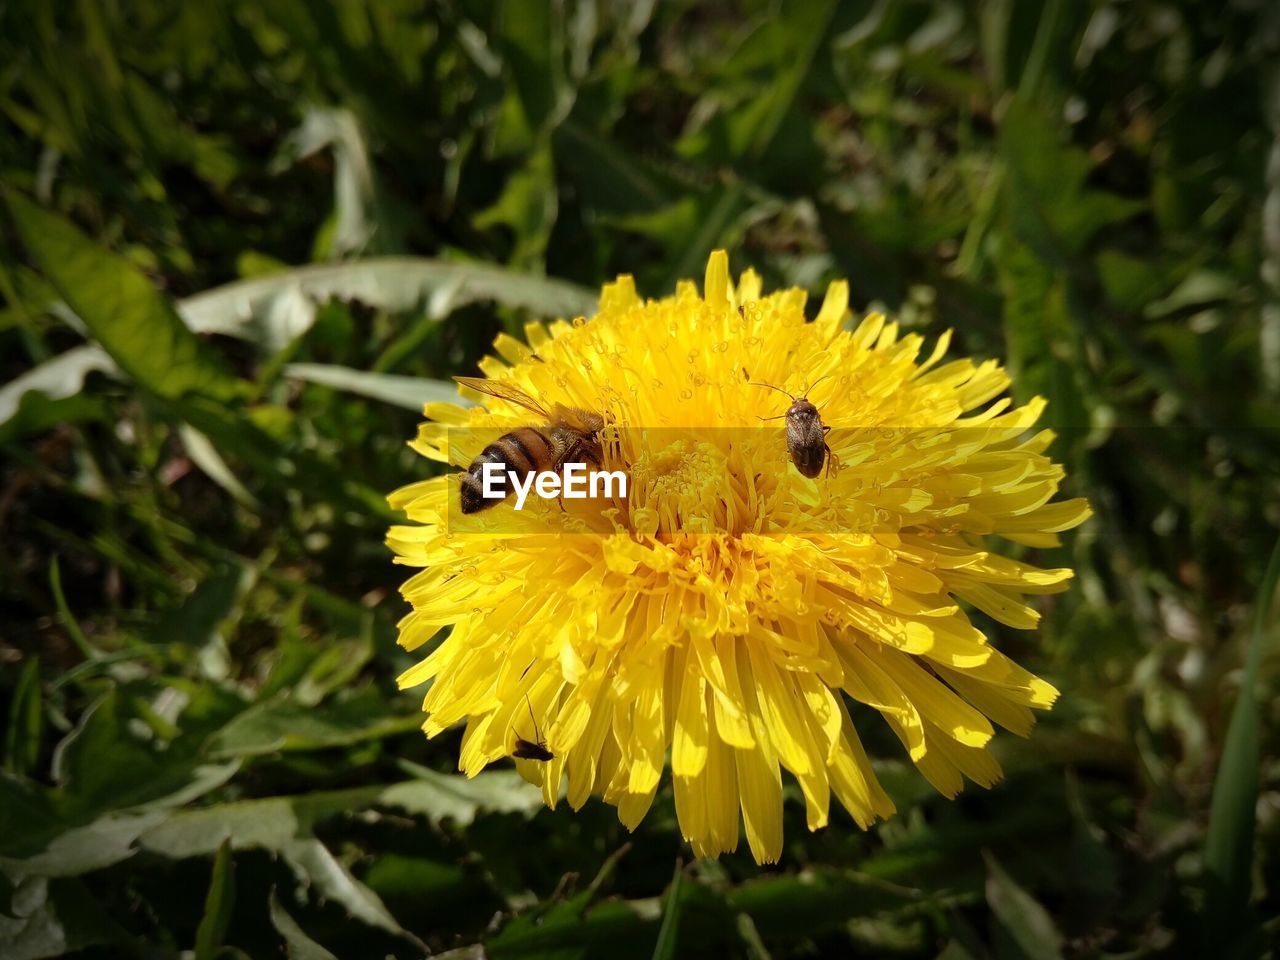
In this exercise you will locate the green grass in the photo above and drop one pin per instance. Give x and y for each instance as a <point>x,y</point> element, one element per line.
<point>241,243</point>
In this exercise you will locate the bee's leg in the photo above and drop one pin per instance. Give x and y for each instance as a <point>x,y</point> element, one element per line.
<point>832,459</point>
<point>560,498</point>
<point>566,455</point>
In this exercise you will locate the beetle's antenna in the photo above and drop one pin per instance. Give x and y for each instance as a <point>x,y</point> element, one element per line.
<point>772,387</point>
<point>809,388</point>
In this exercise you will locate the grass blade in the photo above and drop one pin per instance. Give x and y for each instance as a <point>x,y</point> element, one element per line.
<point>218,905</point>
<point>665,948</point>
<point>87,649</point>
<point>1229,845</point>
<point>22,738</point>
<point>1026,922</point>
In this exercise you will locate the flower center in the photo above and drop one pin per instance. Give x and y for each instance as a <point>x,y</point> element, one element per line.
<point>678,488</point>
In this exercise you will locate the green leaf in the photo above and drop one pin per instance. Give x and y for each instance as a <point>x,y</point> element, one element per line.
<point>102,843</point>
<point>1129,282</point>
<point>206,457</point>
<point>531,41</point>
<point>816,900</point>
<point>569,929</point>
<point>617,929</point>
<point>218,905</point>
<point>1199,289</point>
<point>693,226</point>
<point>284,724</point>
<point>1228,851</point>
<point>528,205</point>
<point>1042,342</point>
<point>299,945</point>
<point>413,879</point>
<point>1047,198</point>
<point>408,392</point>
<point>272,822</point>
<point>199,620</point>
<point>363,220</point>
<point>36,414</point>
<point>1093,873</point>
<point>263,451</point>
<point>798,34</point>
<point>28,295</point>
<point>121,309</point>
<point>607,177</point>
<point>1026,922</point>
<point>54,918</point>
<point>104,765</point>
<point>284,826</point>
<point>58,379</point>
<point>955,950</point>
<point>27,819</point>
<point>274,309</point>
<point>22,737</point>
<point>7,891</point>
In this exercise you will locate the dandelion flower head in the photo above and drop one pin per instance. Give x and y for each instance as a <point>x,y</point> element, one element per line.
<point>724,615</point>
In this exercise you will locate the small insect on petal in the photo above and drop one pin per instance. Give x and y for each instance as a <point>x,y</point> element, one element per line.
<point>532,751</point>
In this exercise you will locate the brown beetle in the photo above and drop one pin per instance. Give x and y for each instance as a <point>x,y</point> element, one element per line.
<point>806,433</point>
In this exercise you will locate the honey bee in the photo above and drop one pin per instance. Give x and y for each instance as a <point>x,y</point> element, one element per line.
<point>532,750</point>
<point>806,433</point>
<point>569,436</point>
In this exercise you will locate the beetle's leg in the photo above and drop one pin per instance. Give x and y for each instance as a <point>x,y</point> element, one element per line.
<point>832,459</point>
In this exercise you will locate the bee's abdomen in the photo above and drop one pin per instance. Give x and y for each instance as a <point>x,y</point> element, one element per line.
<point>520,452</point>
<point>523,450</point>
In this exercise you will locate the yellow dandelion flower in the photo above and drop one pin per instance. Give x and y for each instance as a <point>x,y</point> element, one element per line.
<point>722,612</point>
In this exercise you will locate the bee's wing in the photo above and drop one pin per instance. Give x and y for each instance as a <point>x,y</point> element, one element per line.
<point>503,390</point>
<point>582,420</point>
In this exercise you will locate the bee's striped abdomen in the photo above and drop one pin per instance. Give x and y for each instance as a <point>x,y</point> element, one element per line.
<point>520,452</point>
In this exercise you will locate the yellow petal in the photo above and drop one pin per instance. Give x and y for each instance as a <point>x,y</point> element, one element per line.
<point>716,285</point>
<point>689,743</point>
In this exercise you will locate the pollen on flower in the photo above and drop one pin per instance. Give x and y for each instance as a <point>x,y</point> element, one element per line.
<point>722,617</point>
<point>681,485</point>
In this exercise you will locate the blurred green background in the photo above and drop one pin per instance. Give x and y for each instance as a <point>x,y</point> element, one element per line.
<point>204,751</point>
